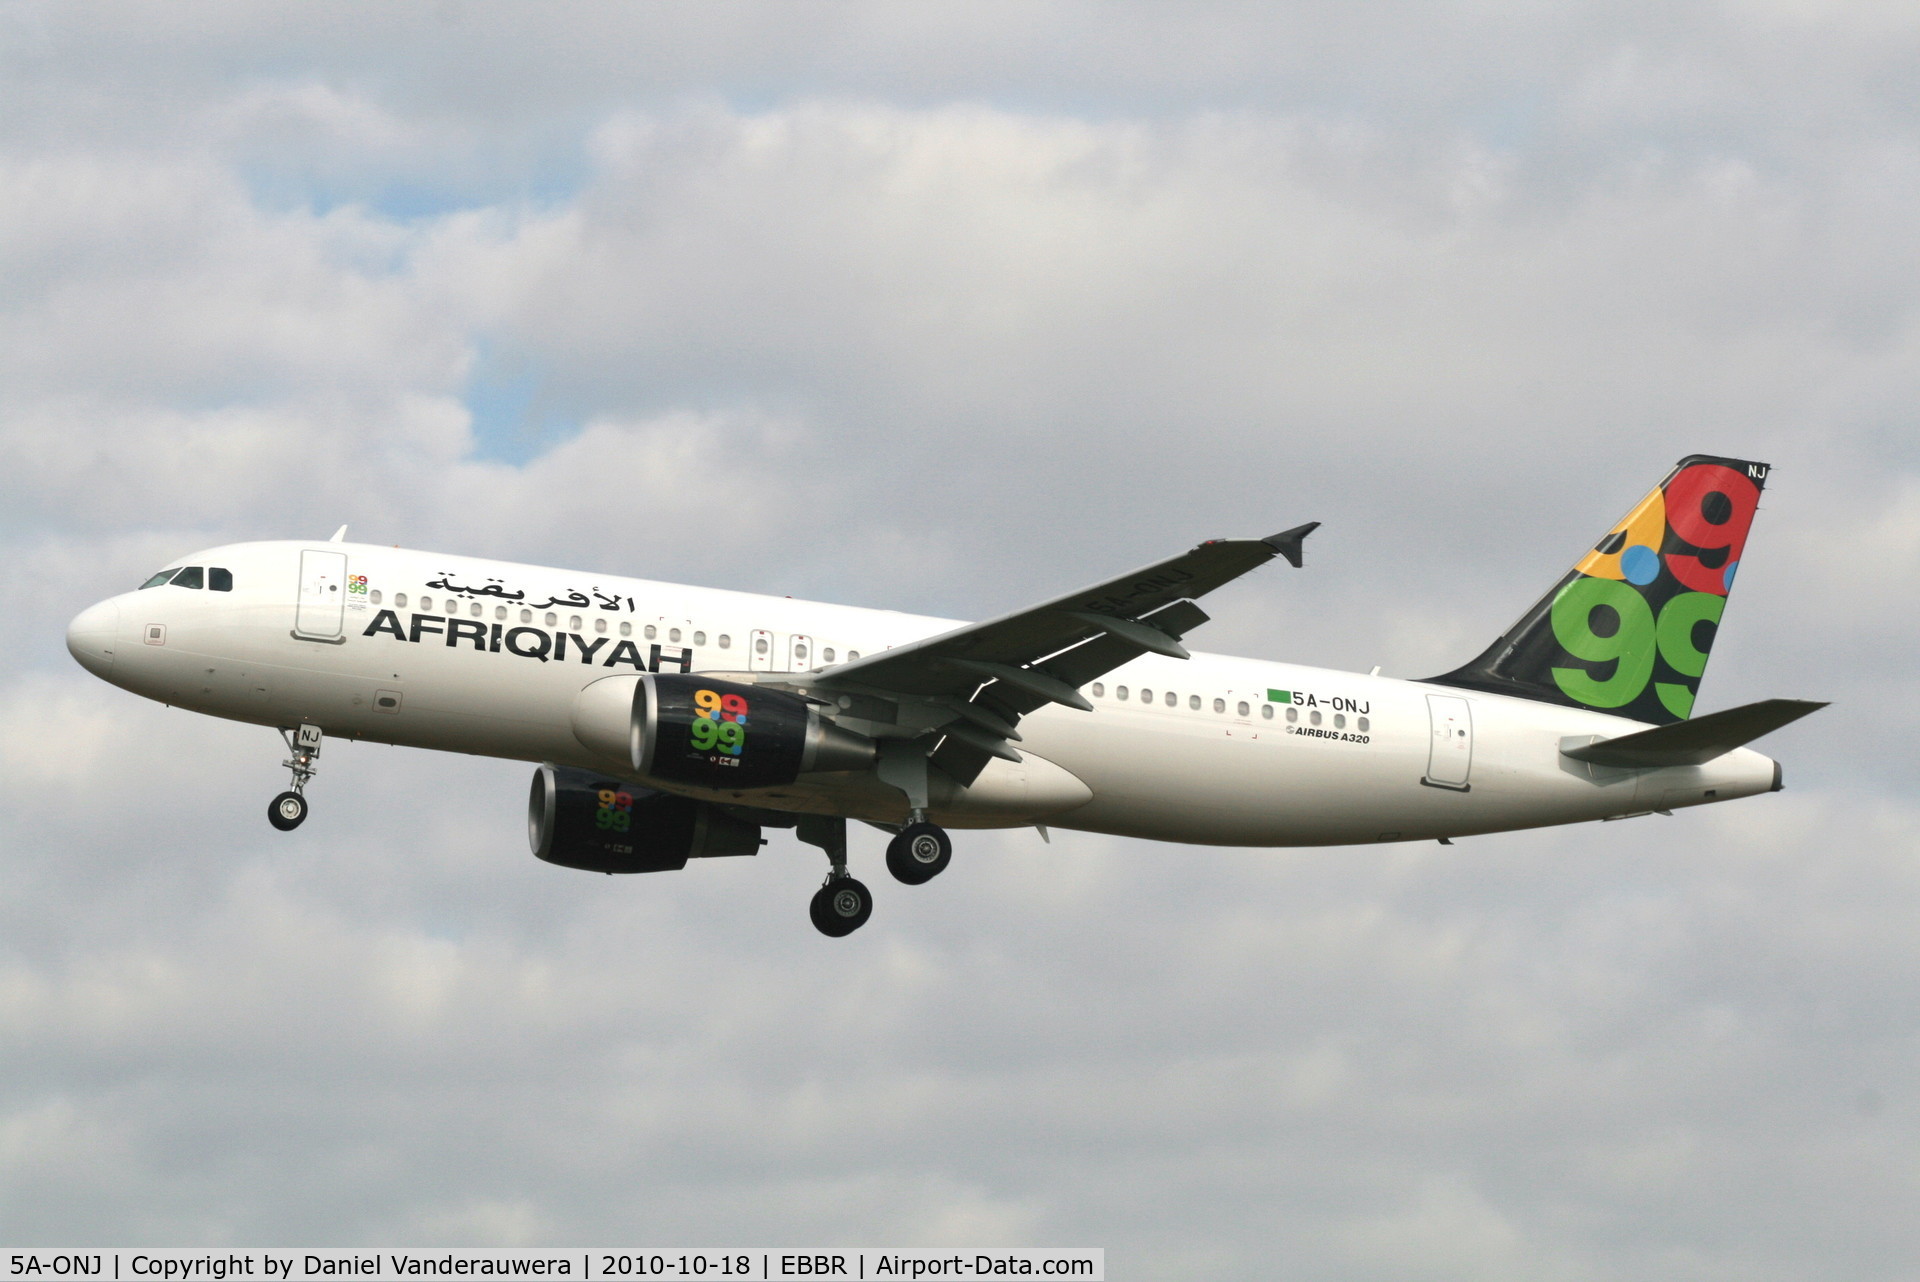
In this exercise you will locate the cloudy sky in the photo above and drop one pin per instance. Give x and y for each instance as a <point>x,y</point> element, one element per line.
<point>946,311</point>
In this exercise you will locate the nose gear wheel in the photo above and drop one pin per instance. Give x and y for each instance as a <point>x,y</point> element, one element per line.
<point>289,810</point>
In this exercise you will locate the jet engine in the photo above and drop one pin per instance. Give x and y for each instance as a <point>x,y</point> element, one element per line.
<point>707,733</point>
<point>580,819</point>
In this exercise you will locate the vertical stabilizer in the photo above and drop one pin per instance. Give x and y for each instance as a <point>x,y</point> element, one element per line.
<point>1628,630</point>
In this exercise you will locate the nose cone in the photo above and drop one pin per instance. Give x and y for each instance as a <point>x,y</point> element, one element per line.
<point>92,635</point>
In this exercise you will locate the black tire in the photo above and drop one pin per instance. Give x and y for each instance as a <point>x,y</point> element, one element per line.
<point>287,811</point>
<point>840,907</point>
<point>919,854</point>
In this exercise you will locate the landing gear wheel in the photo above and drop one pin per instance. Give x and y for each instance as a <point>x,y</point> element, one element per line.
<point>287,811</point>
<point>840,907</point>
<point>920,853</point>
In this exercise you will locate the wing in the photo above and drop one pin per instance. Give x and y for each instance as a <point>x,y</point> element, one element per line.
<point>974,684</point>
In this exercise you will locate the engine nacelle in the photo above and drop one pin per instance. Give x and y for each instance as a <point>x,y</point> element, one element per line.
<point>580,819</point>
<point>707,733</point>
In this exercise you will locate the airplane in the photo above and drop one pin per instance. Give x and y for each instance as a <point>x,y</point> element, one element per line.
<point>670,723</point>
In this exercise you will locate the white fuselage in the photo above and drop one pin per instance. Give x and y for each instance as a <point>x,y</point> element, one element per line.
<point>466,655</point>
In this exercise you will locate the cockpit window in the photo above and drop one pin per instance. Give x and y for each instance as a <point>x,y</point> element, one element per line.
<point>191,577</point>
<point>158,579</point>
<point>220,580</point>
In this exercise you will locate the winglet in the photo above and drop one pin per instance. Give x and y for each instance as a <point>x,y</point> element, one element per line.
<point>339,535</point>
<point>1287,542</point>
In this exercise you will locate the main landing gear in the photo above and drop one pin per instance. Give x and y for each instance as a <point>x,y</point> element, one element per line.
<point>289,810</point>
<point>919,853</point>
<point>842,904</point>
<point>840,907</point>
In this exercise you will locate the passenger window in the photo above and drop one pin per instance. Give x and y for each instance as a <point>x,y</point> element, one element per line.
<point>626,629</point>
<point>191,577</point>
<point>1173,700</point>
<point>699,638</point>
<point>1219,705</point>
<point>1244,709</point>
<point>725,641</point>
<point>399,600</point>
<point>526,616</point>
<point>599,625</point>
<point>426,603</point>
<point>759,645</point>
<point>157,580</point>
<point>1193,702</point>
<point>1099,690</point>
<point>673,634</point>
<point>573,623</point>
<point>1339,721</point>
<point>220,580</point>
<point>474,609</point>
<point>1364,726</point>
<point>1293,714</point>
<point>651,632</point>
<point>374,596</point>
<point>499,611</point>
<point>1146,695</point>
<point>1119,692</point>
<point>1266,710</point>
<point>852,655</point>
<point>827,654</point>
<point>552,620</point>
<point>1314,716</point>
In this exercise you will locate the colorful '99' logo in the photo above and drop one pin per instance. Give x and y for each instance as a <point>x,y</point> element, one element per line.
<point>615,811</point>
<point>1638,600</point>
<point>356,583</point>
<point>719,722</point>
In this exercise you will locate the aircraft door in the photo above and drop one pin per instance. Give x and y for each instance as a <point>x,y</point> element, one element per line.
<point>321,612</point>
<point>1450,754</point>
<point>760,651</point>
<point>799,653</point>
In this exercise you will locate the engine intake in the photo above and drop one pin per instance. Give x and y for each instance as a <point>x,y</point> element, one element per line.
<point>707,733</point>
<point>581,819</point>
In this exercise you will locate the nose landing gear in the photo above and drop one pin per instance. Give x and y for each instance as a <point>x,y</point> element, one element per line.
<point>289,810</point>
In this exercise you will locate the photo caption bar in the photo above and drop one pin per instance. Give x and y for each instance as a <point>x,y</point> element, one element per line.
<point>732,1264</point>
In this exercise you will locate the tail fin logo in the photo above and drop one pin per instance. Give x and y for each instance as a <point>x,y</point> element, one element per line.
<point>1640,599</point>
<point>1629,628</point>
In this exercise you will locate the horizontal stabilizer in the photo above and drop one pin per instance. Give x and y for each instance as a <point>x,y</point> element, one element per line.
<point>1695,742</point>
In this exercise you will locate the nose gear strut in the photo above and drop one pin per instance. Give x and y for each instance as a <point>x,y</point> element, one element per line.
<point>289,810</point>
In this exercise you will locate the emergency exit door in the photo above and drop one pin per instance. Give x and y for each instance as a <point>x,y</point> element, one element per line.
<point>760,651</point>
<point>799,653</point>
<point>322,608</point>
<point>1450,754</point>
